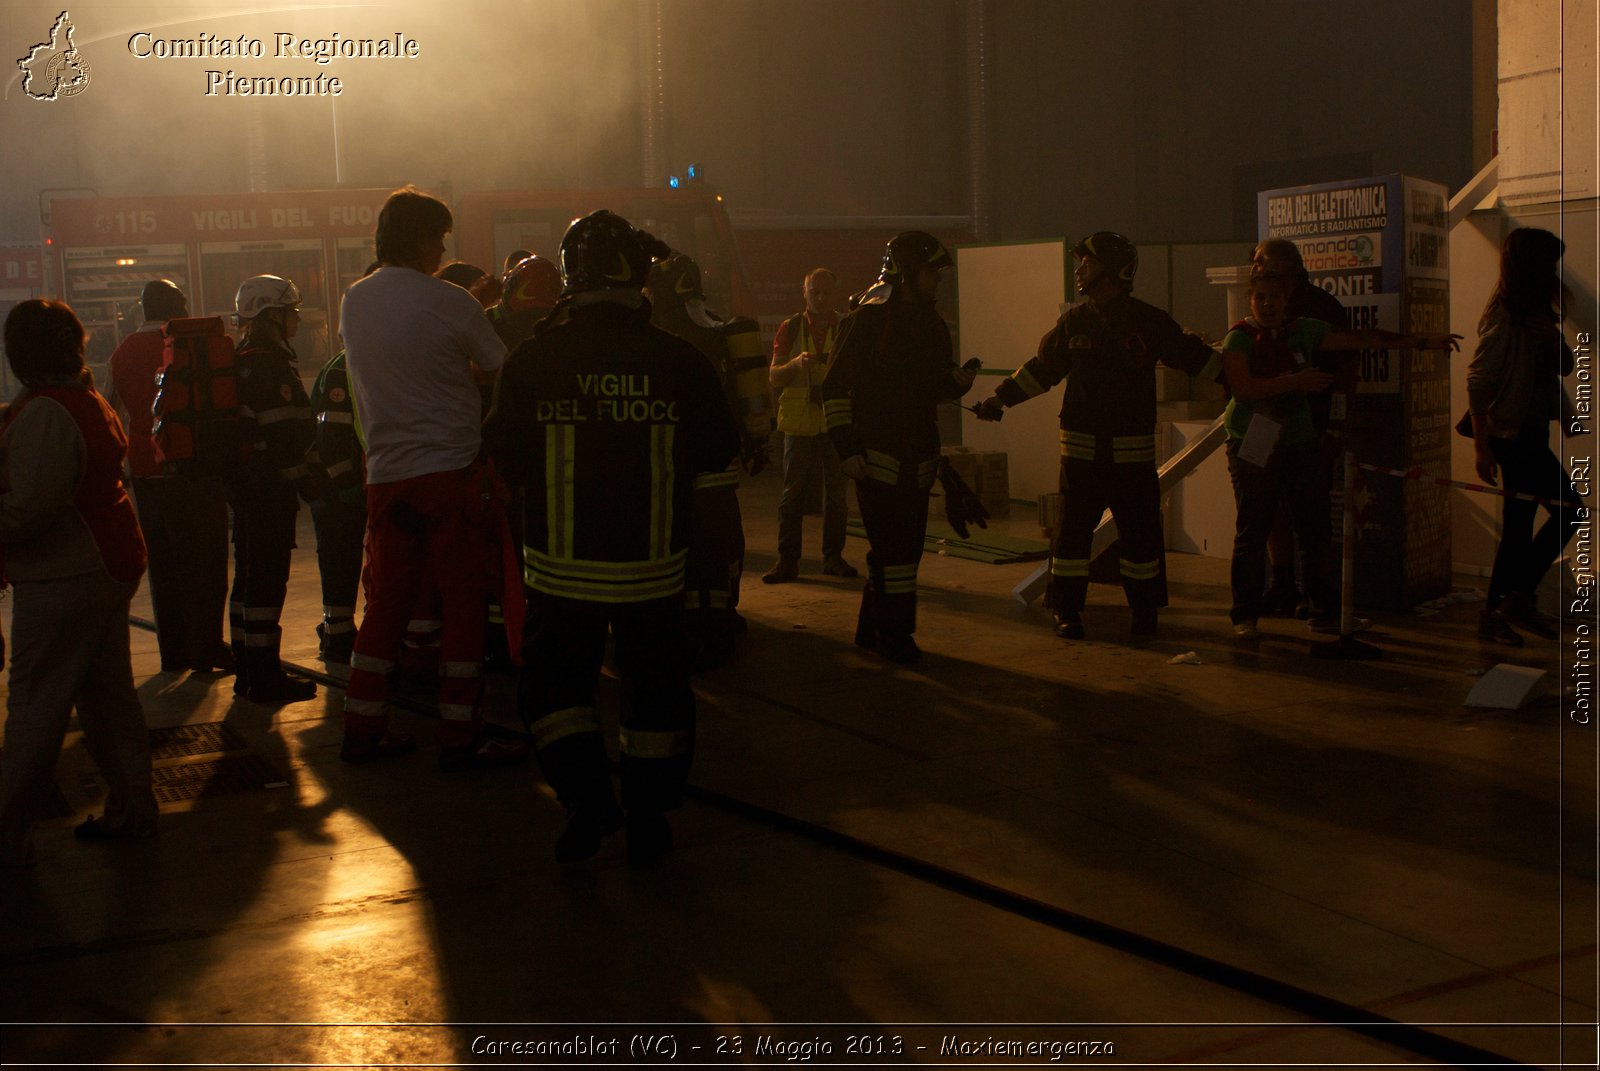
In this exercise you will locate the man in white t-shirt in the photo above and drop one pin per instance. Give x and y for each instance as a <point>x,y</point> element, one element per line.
<point>432,507</point>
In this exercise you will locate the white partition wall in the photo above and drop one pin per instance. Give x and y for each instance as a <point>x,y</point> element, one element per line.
<point>1011,295</point>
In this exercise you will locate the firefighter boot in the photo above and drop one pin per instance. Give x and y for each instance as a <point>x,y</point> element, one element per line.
<point>241,668</point>
<point>577,768</point>
<point>335,648</point>
<point>220,661</point>
<point>587,825</point>
<point>866,621</point>
<point>899,648</point>
<point>268,684</point>
<point>1144,621</point>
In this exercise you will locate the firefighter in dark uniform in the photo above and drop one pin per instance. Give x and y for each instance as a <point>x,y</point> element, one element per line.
<point>1107,348</point>
<point>894,365</point>
<point>603,422</point>
<point>263,490</point>
<point>716,541</point>
<point>340,514</point>
<point>531,287</point>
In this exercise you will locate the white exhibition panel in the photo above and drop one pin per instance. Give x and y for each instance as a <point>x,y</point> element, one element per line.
<point>1010,295</point>
<point>1198,515</point>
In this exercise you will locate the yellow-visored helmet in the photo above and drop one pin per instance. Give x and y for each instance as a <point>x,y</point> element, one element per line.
<point>1118,256</point>
<point>910,251</point>
<point>603,251</point>
<point>676,280</point>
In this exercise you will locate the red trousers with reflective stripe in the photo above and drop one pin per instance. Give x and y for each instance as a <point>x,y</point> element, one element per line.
<point>440,526</point>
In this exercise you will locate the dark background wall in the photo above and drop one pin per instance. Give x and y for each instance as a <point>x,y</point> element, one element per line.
<point>1160,118</point>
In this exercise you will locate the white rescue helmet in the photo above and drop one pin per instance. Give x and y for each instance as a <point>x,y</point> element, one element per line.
<point>263,292</point>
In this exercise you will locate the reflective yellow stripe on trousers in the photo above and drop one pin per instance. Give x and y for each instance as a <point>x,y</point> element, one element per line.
<point>653,744</point>
<point>1139,570</point>
<point>563,723</point>
<point>899,579</point>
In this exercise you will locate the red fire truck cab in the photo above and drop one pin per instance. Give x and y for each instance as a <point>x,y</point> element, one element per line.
<point>104,249</point>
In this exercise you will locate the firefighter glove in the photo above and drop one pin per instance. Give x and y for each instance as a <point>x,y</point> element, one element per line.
<point>989,409</point>
<point>754,456</point>
<point>961,506</point>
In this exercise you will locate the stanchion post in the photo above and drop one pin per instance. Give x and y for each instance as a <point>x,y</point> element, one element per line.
<point>1347,547</point>
<point>1347,647</point>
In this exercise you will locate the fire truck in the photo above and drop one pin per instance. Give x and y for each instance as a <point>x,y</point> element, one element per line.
<point>102,250</point>
<point>21,278</point>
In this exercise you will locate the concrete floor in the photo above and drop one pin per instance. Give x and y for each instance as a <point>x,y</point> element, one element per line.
<point>1041,843</point>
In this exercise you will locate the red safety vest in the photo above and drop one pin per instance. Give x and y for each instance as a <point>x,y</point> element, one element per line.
<point>101,499</point>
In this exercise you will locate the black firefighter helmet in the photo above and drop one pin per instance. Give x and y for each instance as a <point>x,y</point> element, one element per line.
<point>603,251</point>
<point>676,280</point>
<point>908,252</point>
<point>1118,256</point>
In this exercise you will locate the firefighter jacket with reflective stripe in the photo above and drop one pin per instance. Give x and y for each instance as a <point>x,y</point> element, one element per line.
<point>734,349</point>
<point>744,378</point>
<point>1108,356</point>
<point>279,427</point>
<point>800,402</point>
<point>604,421</point>
<point>338,433</point>
<point>892,368</point>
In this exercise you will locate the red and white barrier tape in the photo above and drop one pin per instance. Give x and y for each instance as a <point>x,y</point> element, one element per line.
<point>1418,474</point>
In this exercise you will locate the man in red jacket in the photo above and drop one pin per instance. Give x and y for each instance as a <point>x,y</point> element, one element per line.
<point>185,519</point>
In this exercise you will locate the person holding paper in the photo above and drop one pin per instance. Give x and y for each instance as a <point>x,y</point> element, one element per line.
<point>1273,447</point>
<point>1281,256</point>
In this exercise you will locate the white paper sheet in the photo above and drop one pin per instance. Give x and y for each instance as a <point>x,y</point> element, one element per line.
<point>1260,439</point>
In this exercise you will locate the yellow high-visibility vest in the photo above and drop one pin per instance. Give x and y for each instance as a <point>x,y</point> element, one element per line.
<point>799,410</point>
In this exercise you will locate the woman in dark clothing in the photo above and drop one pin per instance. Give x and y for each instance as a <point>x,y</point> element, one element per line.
<point>1514,392</point>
